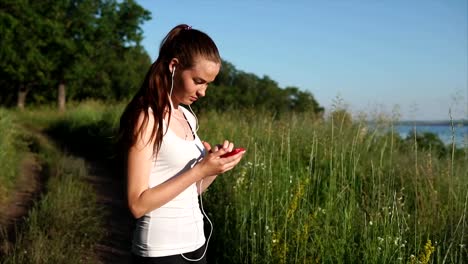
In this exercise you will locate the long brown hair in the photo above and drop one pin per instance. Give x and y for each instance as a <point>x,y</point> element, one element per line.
<point>185,44</point>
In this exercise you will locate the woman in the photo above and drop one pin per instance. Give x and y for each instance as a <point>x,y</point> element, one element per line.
<point>167,164</point>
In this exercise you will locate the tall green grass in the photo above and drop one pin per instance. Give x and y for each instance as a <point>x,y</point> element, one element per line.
<point>86,128</point>
<point>328,191</point>
<point>65,222</point>
<point>12,149</point>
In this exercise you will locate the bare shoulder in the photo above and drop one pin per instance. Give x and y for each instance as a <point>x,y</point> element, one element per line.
<point>144,128</point>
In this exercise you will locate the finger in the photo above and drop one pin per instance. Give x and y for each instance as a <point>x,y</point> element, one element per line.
<point>221,152</point>
<point>230,146</point>
<point>206,145</point>
<point>225,144</point>
<point>234,159</point>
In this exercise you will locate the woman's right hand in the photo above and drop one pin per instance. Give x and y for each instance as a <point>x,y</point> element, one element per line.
<point>212,164</point>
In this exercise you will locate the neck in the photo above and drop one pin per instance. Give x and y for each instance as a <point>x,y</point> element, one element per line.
<point>175,103</point>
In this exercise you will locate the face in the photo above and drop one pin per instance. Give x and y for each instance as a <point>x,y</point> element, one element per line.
<point>191,84</point>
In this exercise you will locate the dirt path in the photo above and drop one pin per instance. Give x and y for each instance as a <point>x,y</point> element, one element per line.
<point>115,247</point>
<point>28,187</point>
<point>109,187</point>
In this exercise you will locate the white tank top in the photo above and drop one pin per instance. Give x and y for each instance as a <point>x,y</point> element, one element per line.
<point>177,226</point>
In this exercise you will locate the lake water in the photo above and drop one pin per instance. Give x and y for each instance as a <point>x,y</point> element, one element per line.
<point>444,132</point>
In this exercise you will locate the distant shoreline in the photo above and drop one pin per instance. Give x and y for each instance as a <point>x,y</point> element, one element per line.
<point>433,123</point>
<point>429,122</point>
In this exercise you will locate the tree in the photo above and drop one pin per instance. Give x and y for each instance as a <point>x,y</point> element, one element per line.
<point>427,141</point>
<point>81,44</point>
<point>302,101</point>
<point>127,62</point>
<point>226,74</point>
<point>234,89</point>
<point>23,64</point>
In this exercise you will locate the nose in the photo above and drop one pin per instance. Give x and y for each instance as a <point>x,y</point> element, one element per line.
<point>201,92</point>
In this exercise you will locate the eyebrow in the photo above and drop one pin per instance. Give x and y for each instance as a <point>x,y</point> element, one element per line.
<point>201,79</point>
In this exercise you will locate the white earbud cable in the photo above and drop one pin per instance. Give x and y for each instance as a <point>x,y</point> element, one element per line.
<point>201,182</point>
<point>211,225</point>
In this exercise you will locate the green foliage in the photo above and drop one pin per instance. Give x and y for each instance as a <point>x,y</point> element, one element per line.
<point>65,225</point>
<point>12,149</point>
<point>331,192</point>
<point>23,62</point>
<point>320,191</point>
<point>234,89</point>
<point>93,49</point>
<point>428,141</point>
<point>88,129</point>
<point>91,46</point>
<point>341,118</point>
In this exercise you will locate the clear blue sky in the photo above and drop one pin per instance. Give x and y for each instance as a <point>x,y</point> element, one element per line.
<point>375,55</point>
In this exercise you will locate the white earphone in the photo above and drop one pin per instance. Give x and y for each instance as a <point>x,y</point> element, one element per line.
<point>172,86</point>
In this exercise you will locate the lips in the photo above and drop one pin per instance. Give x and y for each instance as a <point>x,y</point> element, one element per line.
<point>193,98</point>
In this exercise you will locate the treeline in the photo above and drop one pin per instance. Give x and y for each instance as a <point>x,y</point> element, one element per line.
<point>77,49</point>
<point>81,49</point>
<point>235,89</point>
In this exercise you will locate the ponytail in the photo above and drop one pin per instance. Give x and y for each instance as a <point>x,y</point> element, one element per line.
<point>185,44</point>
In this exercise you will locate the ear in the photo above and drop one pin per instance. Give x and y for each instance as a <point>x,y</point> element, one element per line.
<point>173,64</point>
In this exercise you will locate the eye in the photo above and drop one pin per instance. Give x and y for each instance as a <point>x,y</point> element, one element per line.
<point>199,81</point>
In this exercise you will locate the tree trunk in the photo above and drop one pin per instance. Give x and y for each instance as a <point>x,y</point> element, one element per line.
<point>22,92</point>
<point>61,96</point>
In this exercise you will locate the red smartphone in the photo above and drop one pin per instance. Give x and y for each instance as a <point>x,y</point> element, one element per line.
<point>233,152</point>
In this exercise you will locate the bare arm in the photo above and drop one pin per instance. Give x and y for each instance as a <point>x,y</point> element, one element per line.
<point>207,181</point>
<point>142,199</point>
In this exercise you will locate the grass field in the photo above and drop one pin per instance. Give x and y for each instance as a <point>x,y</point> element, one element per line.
<point>65,223</point>
<point>315,191</point>
<point>323,192</point>
<point>11,150</point>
